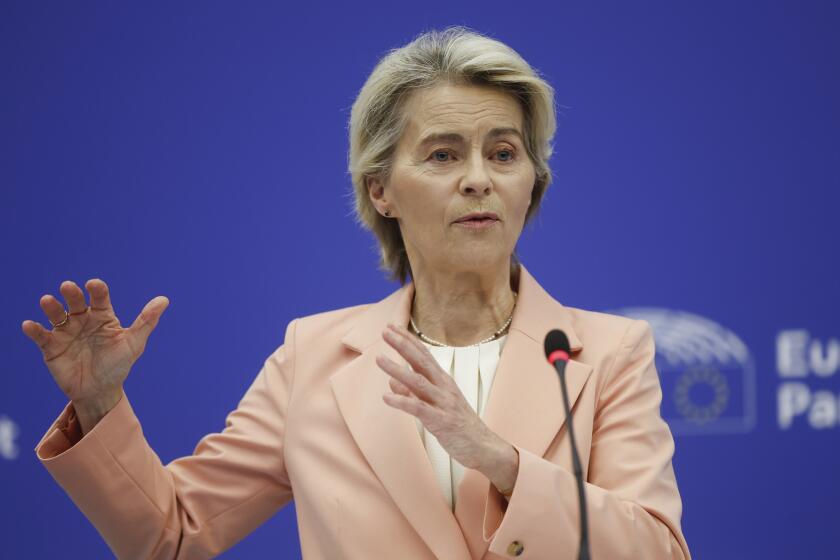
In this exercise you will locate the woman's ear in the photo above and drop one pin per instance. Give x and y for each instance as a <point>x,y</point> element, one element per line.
<point>376,192</point>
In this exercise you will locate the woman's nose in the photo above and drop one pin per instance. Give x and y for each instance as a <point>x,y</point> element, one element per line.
<point>477,180</point>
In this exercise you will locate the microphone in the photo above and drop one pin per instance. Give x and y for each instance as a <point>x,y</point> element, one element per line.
<point>557,352</point>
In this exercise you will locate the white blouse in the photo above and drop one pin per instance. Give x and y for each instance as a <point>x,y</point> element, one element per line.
<point>473,368</point>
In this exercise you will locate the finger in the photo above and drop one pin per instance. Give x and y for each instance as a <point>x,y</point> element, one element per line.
<point>74,297</point>
<point>37,333</point>
<point>415,382</point>
<point>53,309</point>
<point>413,351</point>
<point>100,295</point>
<point>411,405</point>
<point>148,319</point>
<point>398,387</point>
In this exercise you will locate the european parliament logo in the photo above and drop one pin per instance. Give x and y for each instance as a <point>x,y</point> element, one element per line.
<point>706,372</point>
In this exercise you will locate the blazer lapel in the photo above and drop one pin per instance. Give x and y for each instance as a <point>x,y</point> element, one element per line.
<point>525,405</point>
<point>387,437</point>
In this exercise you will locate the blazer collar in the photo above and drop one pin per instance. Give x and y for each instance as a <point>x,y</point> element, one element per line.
<point>524,408</point>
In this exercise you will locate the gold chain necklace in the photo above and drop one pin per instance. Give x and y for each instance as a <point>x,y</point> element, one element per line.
<point>488,339</point>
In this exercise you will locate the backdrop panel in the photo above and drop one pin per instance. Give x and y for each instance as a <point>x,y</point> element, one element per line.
<point>198,151</point>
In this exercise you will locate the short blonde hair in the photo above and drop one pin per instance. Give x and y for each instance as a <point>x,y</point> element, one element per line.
<point>456,55</point>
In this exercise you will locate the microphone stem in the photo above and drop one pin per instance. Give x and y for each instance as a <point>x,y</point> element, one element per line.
<point>583,553</point>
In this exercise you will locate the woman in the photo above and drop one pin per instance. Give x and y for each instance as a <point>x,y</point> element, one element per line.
<point>379,420</point>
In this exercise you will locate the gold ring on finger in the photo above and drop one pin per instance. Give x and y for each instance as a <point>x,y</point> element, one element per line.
<point>63,322</point>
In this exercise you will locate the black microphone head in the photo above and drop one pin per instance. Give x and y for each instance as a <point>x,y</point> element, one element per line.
<point>556,340</point>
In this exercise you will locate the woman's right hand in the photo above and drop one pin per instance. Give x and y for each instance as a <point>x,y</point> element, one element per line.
<point>91,354</point>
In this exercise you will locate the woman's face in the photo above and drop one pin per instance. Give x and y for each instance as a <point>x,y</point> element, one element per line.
<point>462,153</point>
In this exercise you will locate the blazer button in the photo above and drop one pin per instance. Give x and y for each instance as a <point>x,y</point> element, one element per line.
<point>515,548</point>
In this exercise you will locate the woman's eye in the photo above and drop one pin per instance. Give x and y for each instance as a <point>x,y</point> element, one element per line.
<point>441,155</point>
<point>505,155</point>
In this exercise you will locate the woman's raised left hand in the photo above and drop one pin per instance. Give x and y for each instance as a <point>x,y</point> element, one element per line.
<point>431,395</point>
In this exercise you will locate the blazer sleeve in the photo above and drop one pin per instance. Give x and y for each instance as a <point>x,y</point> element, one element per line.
<point>634,505</point>
<point>196,506</point>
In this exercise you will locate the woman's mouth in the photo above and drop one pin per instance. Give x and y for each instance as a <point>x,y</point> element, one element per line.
<point>477,223</point>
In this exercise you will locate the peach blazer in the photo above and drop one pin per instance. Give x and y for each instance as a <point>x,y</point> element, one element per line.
<point>313,427</point>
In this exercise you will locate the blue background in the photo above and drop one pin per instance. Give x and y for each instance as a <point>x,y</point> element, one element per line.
<point>198,151</point>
